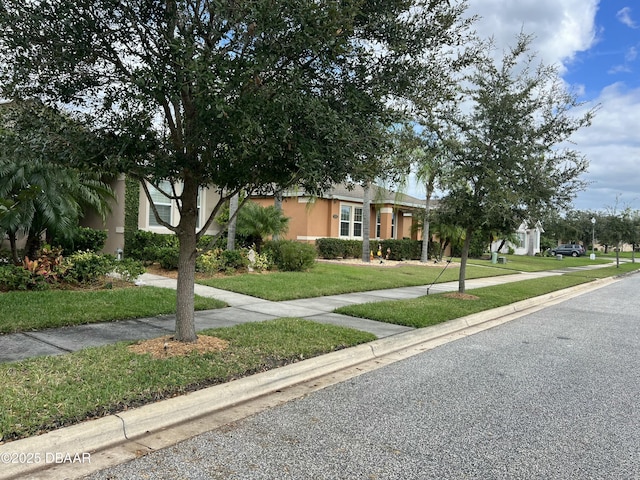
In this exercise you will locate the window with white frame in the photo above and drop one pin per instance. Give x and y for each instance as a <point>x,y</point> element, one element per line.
<point>166,206</point>
<point>357,221</point>
<point>393,224</point>
<point>378,223</point>
<point>161,202</point>
<point>350,221</point>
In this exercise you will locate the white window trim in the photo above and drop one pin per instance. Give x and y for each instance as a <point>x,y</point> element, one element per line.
<point>352,208</point>
<point>174,215</point>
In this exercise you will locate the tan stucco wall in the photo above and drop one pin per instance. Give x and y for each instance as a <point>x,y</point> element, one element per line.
<point>114,223</point>
<point>311,219</point>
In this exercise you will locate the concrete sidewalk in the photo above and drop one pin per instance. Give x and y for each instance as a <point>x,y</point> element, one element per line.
<point>242,309</point>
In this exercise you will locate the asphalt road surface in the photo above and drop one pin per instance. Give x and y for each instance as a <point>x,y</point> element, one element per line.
<point>552,395</point>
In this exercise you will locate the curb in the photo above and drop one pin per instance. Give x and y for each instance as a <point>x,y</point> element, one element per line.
<point>103,433</point>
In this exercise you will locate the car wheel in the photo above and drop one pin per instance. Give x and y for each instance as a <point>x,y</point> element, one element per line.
<point>574,254</point>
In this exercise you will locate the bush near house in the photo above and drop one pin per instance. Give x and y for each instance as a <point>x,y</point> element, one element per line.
<point>50,269</point>
<point>290,256</point>
<point>331,248</point>
<point>150,247</point>
<point>81,239</point>
<point>405,249</point>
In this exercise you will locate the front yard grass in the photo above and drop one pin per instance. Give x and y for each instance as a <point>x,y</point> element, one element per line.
<point>525,263</point>
<point>333,279</point>
<point>36,310</point>
<point>433,309</point>
<point>46,393</point>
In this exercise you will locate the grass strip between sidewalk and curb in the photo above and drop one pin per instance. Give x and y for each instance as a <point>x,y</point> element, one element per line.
<point>37,310</point>
<point>46,393</point>
<point>437,308</point>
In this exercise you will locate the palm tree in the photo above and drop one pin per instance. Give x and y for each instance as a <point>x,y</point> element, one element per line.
<point>58,198</point>
<point>256,223</point>
<point>38,145</point>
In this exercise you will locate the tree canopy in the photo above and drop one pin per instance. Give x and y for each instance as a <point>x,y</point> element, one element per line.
<point>509,157</point>
<point>254,95</point>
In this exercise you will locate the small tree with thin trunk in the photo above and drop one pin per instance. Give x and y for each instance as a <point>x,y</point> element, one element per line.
<point>508,159</point>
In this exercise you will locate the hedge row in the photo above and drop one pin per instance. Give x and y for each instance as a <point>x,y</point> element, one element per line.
<point>405,249</point>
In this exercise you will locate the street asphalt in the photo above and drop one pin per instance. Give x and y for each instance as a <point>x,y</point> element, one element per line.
<point>120,437</point>
<point>551,395</point>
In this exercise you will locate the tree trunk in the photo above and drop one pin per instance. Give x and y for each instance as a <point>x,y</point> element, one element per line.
<point>34,243</point>
<point>504,240</point>
<point>463,260</point>
<point>14,248</point>
<point>231,228</point>
<point>424,257</point>
<point>277,203</point>
<point>185,322</point>
<point>366,222</point>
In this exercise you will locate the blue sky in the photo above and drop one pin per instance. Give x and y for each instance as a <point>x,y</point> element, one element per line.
<point>596,44</point>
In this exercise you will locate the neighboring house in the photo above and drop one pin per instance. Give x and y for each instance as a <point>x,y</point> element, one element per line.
<point>338,213</point>
<point>528,240</point>
<point>115,222</point>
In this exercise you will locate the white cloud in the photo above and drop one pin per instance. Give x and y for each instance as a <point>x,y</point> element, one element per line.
<point>561,29</point>
<point>631,54</point>
<point>612,146</point>
<point>624,15</point>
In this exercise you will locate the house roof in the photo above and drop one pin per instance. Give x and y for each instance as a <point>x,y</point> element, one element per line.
<point>355,193</point>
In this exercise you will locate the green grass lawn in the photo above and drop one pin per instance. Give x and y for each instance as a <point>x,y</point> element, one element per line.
<point>433,309</point>
<point>332,279</point>
<point>524,263</point>
<point>46,393</point>
<point>35,310</point>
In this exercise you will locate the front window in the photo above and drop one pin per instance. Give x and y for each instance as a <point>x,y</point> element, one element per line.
<point>357,222</point>
<point>350,221</point>
<point>165,206</point>
<point>161,202</point>
<point>345,220</point>
<point>393,224</point>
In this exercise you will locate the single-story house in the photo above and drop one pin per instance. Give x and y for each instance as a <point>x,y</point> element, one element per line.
<point>528,242</point>
<point>338,213</point>
<point>115,221</point>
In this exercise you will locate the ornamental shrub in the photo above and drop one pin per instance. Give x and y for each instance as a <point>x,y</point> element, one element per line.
<point>294,256</point>
<point>147,246</point>
<point>87,267</point>
<point>81,239</point>
<point>167,257</point>
<point>15,277</point>
<point>129,269</point>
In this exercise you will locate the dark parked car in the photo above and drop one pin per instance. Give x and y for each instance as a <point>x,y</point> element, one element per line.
<point>568,249</point>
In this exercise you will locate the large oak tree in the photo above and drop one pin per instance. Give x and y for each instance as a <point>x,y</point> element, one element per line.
<point>252,95</point>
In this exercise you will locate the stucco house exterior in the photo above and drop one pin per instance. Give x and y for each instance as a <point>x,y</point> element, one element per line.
<point>114,224</point>
<point>338,213</point>
<point>528,240</point>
